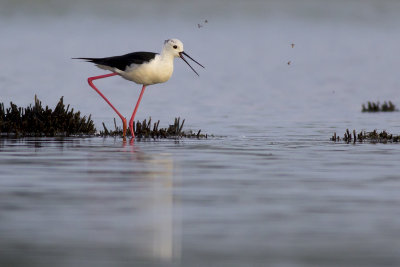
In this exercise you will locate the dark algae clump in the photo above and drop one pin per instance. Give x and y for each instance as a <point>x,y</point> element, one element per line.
<point>374,136</point>
<point>35,120</point>
<point>377,107</point>
<point>363,136</point>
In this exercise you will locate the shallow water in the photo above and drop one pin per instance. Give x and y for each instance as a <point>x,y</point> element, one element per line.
<point>221,202</point>
<point>269,189</point>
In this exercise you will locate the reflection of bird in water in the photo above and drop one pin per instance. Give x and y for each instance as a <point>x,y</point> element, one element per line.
<point>144,68</point>
<point>166,226</point>
<point>157,223</point>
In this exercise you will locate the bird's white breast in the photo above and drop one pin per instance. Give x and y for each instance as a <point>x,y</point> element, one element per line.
<point>157,70</point>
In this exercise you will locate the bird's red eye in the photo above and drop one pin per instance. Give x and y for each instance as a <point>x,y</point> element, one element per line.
<point>175,46</point>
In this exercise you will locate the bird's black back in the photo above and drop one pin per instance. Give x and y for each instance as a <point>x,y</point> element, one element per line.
<point>121,62</point>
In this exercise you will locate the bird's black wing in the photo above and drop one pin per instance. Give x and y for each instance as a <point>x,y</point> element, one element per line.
<point>121,62</point>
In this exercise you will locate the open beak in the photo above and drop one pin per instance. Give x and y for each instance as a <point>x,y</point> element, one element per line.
<point>183,53</point>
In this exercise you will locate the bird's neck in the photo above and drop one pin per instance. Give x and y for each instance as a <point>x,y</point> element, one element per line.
<point>165,56</point>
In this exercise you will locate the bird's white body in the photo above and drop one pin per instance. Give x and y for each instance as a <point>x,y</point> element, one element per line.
<point>157,70</point>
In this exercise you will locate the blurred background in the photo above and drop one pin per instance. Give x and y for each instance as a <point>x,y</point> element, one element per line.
<point>270,189</point>
<point>344,54</point>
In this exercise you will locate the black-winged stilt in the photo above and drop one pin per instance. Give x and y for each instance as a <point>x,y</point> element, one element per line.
<point>143,68</point>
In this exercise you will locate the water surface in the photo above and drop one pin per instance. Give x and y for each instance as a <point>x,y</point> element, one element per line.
<point>221,202</point>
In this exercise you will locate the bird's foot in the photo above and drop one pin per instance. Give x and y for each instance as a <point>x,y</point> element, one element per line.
<point>131,128</point>
<point>123,127</point>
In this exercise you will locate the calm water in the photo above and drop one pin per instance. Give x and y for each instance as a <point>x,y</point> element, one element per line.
<point>269,190</point>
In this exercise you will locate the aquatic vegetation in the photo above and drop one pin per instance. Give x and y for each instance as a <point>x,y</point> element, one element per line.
<point>146,129</point>
<point>363,136</point>
<point>35,120</point>
<point>377,107</point>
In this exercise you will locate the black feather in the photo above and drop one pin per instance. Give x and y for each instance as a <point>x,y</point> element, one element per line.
<point>121,62</point>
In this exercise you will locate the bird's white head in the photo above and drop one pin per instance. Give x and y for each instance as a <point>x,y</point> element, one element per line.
<point>174,47</point>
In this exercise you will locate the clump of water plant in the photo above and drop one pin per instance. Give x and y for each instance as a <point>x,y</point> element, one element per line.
<point>377,107</point>
<point>363,136</point>
<point>146,129</point>
<point>36,120</point>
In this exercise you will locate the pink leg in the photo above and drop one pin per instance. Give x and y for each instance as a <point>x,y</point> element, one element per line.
<point>90,81</point>
<point>134,111</point>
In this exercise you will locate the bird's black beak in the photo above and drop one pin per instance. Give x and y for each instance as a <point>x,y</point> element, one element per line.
<point>183,53</point>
